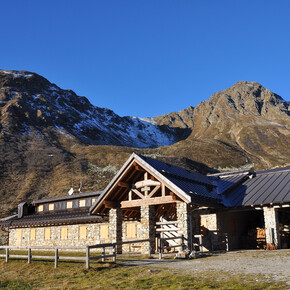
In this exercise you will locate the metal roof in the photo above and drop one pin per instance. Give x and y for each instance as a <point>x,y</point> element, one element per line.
<point>68,197</point>
<point>57,218</point>
<point>266,187</point>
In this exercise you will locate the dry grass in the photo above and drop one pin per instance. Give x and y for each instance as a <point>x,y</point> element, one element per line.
<point>17,274</point>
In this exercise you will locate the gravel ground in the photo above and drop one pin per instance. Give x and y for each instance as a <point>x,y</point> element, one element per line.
<point>270,264</point>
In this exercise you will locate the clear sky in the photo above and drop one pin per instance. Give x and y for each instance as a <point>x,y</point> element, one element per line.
<point>148,57</point>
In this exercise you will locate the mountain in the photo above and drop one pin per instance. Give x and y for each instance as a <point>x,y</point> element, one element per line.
<point>51,139</point>
<point>247,118</point>
<point>29,102</point>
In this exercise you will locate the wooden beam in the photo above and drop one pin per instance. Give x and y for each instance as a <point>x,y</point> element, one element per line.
<point>123,184</point>
<point>111,204</point>
<point>145,183</point>
<point>153,191</point>
<point>138,193</point>
<point>173,195</point>
<point>138,167</point>
<point>147,201</point>
<point>163,189</point>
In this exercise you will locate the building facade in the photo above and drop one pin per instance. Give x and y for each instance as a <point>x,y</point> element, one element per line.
<point>149,199</point>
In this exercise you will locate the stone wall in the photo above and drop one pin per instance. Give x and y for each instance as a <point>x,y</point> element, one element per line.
<point>73,239</point>
<point>4,238</point>
<point>272,226</point>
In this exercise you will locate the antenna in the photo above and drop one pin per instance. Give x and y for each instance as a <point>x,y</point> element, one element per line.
<point>80,188</point>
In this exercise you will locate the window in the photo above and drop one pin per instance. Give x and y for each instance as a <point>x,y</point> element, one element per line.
<point>51,206</point>
<point>32,234</point>
<point>131,230</point>
<point>47,233</point>
<point>64,233</point>
<point>82,232</point>
<point>18,237</point>
<point>40,208</point>
<point>82,203</point>
<point>104,232</point>
<point>69,204</point>
<point>93,200</point>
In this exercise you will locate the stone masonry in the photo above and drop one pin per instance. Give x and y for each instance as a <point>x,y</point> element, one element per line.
<point>147,227</point>
<point>272,226</point>
<point>115,227</point>
<point>73,239</point>
<point>183,219</point>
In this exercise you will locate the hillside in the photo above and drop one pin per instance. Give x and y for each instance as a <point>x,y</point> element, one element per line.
<point>51,139</point>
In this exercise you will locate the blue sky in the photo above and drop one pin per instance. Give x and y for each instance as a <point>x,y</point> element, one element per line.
<point>147,58</point>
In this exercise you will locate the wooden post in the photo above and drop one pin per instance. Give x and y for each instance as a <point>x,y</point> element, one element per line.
<point>149,249</point>
<point>160,248</point>
<point>87,257</point>
<point>29,255</point>
<point>114,253</point>
<point>7,255</point>
<point>182,243</point>
<point>227,242</point>
<point>56,258</point>
<point>103,254</point>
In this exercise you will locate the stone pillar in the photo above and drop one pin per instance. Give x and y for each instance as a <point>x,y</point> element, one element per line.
<point>115,227</point>
<point>272,226</point>
<point>4,237</point>
<point>183,219</point>
<point>148,227</point>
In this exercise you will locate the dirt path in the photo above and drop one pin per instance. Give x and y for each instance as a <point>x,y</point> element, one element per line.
<point>263,264</point>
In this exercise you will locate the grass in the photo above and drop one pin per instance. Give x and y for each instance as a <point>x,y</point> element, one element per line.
<point>17,274</point>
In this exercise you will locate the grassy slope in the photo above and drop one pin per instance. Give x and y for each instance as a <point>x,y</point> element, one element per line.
<point>20,275</point>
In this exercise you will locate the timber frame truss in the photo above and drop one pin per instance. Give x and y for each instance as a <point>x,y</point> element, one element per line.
<point>134,186</point>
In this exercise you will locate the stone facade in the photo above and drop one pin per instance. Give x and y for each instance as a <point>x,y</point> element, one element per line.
<point>4,237</point>
<point>22,236</point>
<point>184,220</point>
<point>147,227</point>
<point>272,226</point>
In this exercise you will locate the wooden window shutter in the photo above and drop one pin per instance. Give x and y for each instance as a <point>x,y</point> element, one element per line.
<point>64,233</point>
<point>82,232</point>
<point>47,233</point>
<point>104,232</point>
<point>32,234</point>
<point>131,230</point>
<point>18,237</point>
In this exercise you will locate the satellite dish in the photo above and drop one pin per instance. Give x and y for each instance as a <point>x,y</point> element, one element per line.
<point>71,191</point>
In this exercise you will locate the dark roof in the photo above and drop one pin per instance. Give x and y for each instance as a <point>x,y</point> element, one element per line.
<point>68,197</point>
<point>56,218</point>
<point>265,187</point>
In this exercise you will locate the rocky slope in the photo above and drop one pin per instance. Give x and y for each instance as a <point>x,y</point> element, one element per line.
<point>51,139</point>
<point>30,102</point>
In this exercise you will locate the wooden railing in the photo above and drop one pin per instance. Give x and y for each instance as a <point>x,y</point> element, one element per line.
<point>161,245</point>
<point>56,257</point>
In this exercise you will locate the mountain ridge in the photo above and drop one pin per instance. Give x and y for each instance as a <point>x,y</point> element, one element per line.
<point>51,139</point>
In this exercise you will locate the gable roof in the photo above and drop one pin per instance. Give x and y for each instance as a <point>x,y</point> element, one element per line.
<point>187,185</point>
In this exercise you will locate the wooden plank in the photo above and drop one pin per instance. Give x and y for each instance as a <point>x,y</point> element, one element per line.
<point>163,189</point>
<point>154,191</point>
<point>167,223</point>
<point>173,195</point>
<point>138,193</point>
<point>123,184</point>
<point>148,201</point>
<point>146,183</point>
<point>111,204</point>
